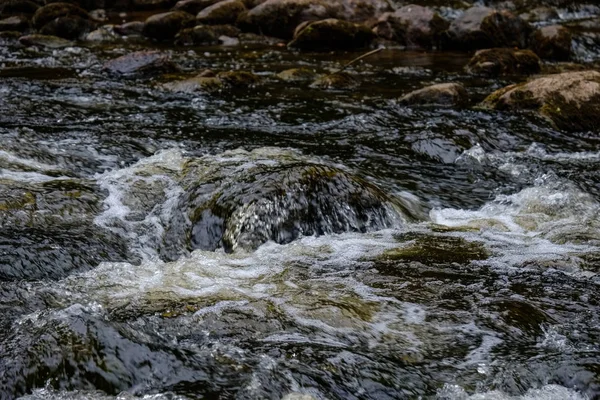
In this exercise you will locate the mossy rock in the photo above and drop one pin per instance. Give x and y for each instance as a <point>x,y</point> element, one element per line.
<point>53,11</point>
<point>198,35</point>
<point>223,12</point>
<point>238,79</point>
<point>197,84</point>
<point>502,61</point>
<point>68,27</point>
<point>331,34</point>
<point>440,95</point>
<point>18,8</point>
<point>571,100</point>
<point>51,42</point>
<point>437,249</point>
<point>552,42</point>
<point>338,80</point>
<point>165,26</point>
<point>296,75</point>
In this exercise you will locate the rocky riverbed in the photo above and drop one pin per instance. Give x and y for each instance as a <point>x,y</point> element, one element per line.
<point>299,199</point>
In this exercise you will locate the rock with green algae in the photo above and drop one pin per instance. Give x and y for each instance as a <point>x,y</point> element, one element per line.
<point>336,81</point>
<point>331,34</point>
<point>503,61</point>
<point>238,79</point>
<point>442,95</point>
<point>223,12</point>
<point>570,100</point>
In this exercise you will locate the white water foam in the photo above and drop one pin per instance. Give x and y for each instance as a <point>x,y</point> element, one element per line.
<point>547,392</point>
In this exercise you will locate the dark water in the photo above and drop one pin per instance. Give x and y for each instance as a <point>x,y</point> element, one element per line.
<point>485,286</point>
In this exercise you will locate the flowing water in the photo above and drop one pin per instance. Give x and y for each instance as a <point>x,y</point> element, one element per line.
<point>455,254</point>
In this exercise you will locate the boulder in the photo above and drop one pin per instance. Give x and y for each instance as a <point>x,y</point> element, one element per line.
<point>152,4</point>
<point>223,12</point>
<point>238,79</point>
<point>280,18</point>
<point>362,10</point>
<point>440,95</point>
<point>552,42</point>
<point>165,26</point>
<point>296,75</point>
<point>331,34</point>
<point>193,6</point>
<point>51,42</point>
<point>200,35</point>
<point>571,100</point>
<point>483,27</point>
<point>412,26</point>
<point>18,7</point>
<point>16,23</point>
<point>494,62</point>
<point>132,28</point>
<point>68,27</point>
<point>140,63</point>
<point>103,34</point>
<point>53,11</point>
<point>336,81</point>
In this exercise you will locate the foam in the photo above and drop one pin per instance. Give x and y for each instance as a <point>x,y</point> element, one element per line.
<point>547,392</point>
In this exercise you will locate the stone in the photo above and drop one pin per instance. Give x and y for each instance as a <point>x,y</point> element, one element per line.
<point>338,81</point>
<point>552,42</point>
<point>362,10</point>
<point>296,75</point>
<point>223,12</point>
<point>279,18</point>
<point>140,63</point>
<point>152,4</point>
<point>68,27</point>
<point>540,14</point>
<point>53,11</point>
<point>200,35</point>
<point>483,28</point>
<point>206,84</point>
<point>570,100</point>
<point>331,34</point>
<point>238,79</point>
<point>412,26</point>
<point>165,26</point>
<point>494,62</point>
<point>17,23</point>
<point>193,6</point>
<point>102,35</point>
<point>51,42</point>
<point>18,8</point>
<point>132,28</point>
<point>440,95</point>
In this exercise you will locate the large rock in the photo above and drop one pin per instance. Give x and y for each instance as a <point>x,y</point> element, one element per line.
<point>165,26</point>
<point>483,27</point>
<point>200,35</point>
<point>439,95</point>
<point>501,61</point>
<point>140,63</point>
<point>223,12</point>
<point>193,6</point>
<point>152,4</point>
<point>571,100</point>
<point>18,7</point>
<point>412,26</point>
<point>68,27</point>
<point>362,10</point>
<point>552,42</point>
<point>51,42</point>
<point>331,34</point>
<point>53,11</point>
<point>280,18</point>
<point>336,81</point>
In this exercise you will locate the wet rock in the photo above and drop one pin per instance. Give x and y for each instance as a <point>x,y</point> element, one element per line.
<point>440,95</point>
<point>152,4</point>
<point>223,12</point>
<point>244,199</point>
<point>226,30</point>
<point>331,34</point>
<point>130,28</point>
<point>200,35</point>
<point>102,34</point>
<point>571,100</point>
<point>362,10</point>
<point>140,63</point>
<point>18,7</point>
<point>280,18</point>
<point>52,42</point>
<point>50,12</point>
<point>338,80</point>
<point>68,27</point>
<point>482,27</point>
<point>166,25</point>
<point>496,62</point>
<point>9,36</point>
<point>297,75</point>
<point>552,42</point>
<point>193,6</point>
<point>98,15</point>
<point>204,84</point>
<point>540,14</point>
<point>238,79</point>
<point>15,23</point>
<point>412,26</point>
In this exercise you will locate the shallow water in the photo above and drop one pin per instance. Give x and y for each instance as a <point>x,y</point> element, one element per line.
<point>481,283</point>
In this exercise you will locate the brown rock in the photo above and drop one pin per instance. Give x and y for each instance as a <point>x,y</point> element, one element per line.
<point>571,100</point>
<point>412,26</point>
<point>552,42</point>
<point>166,25</point>
<point>238,79</point>
<point>337,81</point>
<point>140,63</point>
<point>296,75</point>
<point>152,4</point>
<point>496,62</point>
<point>53,11</point>
<point>199,35</point>
<point>441,95</point>
<point>18,7</point>
<point>280,18</point>
<point>223,12</point>
<point>193,6</point>
<point>196,84</point>
<point>68,27</point>
<point>16,23</point>
<point>130,28</point>
<point>362,10</point>
<point>331,34</point>
<point>482,27</point>
<point>51,42</point>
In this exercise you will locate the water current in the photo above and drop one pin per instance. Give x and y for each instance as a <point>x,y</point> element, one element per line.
<point>463,262</point>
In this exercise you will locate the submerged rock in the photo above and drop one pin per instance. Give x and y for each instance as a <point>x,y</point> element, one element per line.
<point>52,42</point>
<point>331,34</point>
<point>338,80</point>
<point>193,6</point>
<point>140,63</point>
<point>296,75</point>
<point>166,25</point>
<point>571,100</point>
<point>198,35</point>
<point>483,27</point>
<point>15,24</point>
<point>504,61</point>
<point>412,26</point>
<point>223,12</point>
<point>552,42</point>
<point>238,79</point>
<point>443,94</point>
<point>280,18</point>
